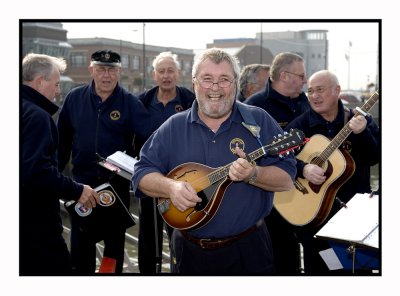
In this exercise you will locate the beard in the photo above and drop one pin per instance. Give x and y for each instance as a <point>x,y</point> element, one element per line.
<point>215,109</point>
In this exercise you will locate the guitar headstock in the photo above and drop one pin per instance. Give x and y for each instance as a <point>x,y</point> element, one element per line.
<point>283,144</point>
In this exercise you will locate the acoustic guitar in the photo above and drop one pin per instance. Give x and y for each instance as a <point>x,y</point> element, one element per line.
<point>308,203</point>
<point>211,183</point>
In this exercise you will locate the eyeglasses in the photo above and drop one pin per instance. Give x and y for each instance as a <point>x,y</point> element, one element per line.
<point>302,76</point>
<point>208,83</point>
<point>318,90</point>
<point>102,70</point>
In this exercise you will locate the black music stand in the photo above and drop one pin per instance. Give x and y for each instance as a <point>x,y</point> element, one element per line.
<point>353,234</point>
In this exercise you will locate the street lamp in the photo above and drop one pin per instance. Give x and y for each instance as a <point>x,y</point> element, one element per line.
<point>261,45</point>
<point>347,56</point>
<point>144,57</point>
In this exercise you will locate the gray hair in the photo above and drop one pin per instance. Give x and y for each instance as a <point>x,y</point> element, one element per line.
<point>249,74</point>
<point>166,55</point>
<point>282,62</point>
<point>216,55</point>
<point>35,64</point>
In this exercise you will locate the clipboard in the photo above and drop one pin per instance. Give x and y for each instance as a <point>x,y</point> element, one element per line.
<point>120,163</point>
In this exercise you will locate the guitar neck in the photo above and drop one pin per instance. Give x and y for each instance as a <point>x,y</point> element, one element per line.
<point>346,130</point>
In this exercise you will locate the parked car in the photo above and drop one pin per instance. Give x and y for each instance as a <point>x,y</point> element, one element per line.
<point>350,98</point>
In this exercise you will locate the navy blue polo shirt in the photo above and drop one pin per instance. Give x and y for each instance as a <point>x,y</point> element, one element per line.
<point>185,138</point>
<point>160,113</point>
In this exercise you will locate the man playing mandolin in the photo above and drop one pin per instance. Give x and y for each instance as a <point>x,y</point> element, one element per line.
<point>214,179</point>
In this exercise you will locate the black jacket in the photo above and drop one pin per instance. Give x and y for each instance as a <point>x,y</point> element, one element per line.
<point>90,128</point>
<point>363,147</point>
<point>281,108</point>
<point>41,183</point>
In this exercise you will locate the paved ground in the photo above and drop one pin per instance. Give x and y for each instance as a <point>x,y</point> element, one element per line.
<point>131,254</point>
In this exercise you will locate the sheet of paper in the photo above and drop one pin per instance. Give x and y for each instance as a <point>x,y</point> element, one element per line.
<point>123,161</point>
<point>331,260</point>
<point>359,222</point>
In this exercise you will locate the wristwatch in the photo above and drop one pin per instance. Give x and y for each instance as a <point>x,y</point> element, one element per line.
<point>253,178</point>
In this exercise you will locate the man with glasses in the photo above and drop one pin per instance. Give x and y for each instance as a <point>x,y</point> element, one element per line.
<point>327,117</point>
<point>283,98</point>
<point>252,80</point>
<point>95,121</point>
<point>234,239</point>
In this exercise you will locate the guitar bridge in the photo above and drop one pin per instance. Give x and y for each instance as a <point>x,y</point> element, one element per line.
<point>300,187</point>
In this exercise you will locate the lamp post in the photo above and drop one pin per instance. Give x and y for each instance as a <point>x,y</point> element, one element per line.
<point>348,65</point>
<point>261,45</point>
<point>144,57</point>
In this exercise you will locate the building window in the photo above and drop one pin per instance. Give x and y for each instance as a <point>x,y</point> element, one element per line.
<point>316,36</point>
<point>187,66</point>
<point>78,59</point>
<point>135,62</point>
<point>125,60</point>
